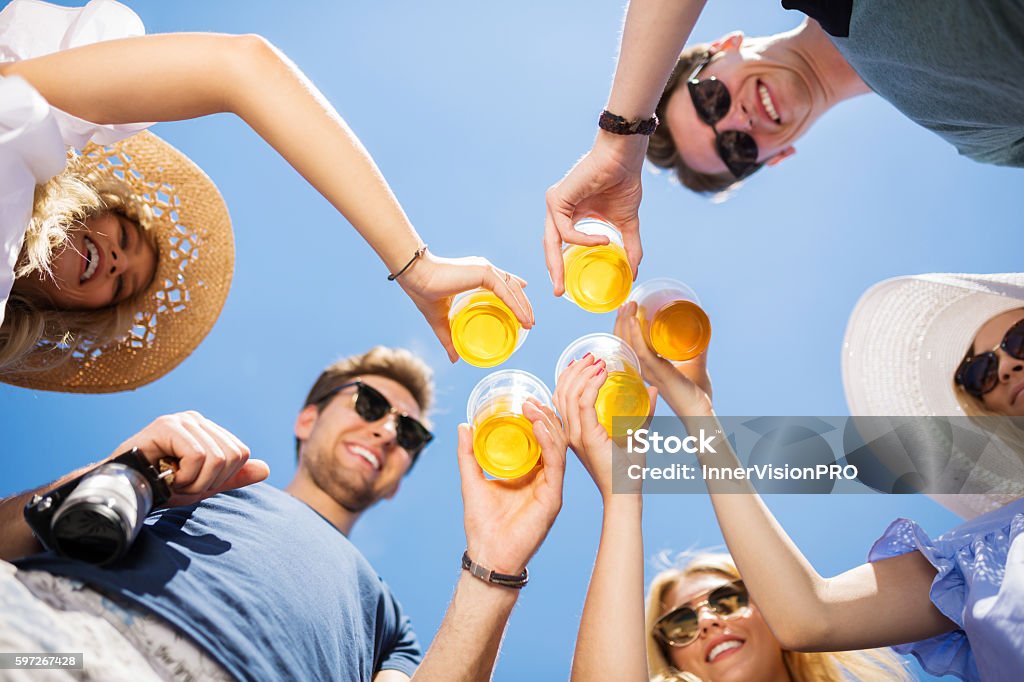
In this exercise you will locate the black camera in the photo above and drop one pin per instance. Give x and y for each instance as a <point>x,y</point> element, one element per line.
<point>96,517</point>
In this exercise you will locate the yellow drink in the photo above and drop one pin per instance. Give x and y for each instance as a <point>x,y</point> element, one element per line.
<point>597,278</point>
<point>622,395</point>
<point>484,330</point>
<point>503,441</point>
<point>679,331</point>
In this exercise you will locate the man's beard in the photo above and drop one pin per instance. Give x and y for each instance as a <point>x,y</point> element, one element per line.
<point>346,487</point>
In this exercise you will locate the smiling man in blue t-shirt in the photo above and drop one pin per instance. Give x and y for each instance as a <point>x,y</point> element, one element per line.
<point>259,583</point>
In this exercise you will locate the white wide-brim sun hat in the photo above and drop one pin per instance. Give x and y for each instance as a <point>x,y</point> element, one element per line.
<point>904,342</point>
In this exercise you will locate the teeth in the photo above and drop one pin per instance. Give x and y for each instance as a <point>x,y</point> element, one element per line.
<point>723,647</point>
<point>769,106</point>
<point>94,260</point>
<point>367,455</point>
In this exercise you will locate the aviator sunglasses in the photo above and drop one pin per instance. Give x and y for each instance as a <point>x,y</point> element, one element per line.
<point>712,102</point>
<point>979,374</point>
<point>372,406</point>
<point>680,627</point>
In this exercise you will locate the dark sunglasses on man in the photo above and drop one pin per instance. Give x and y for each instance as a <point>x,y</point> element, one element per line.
<point>979,374</point>
<point>371,405</point>
<point>681,626</point>
<point>712,101</point>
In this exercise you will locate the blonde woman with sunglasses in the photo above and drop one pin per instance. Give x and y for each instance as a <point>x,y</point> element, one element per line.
<point>956,601</point>
<point>700,623</point>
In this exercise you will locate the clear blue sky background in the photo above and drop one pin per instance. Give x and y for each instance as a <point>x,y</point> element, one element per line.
<point>472,109</point>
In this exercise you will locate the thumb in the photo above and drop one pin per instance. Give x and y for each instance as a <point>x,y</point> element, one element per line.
<point>469,468</point>
<point>634,250</point>
<point>253,471</point>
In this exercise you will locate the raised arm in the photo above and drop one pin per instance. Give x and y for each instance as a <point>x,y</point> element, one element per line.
<point>210,460</point>
<point>611,644</point>
<point>607,179</point>
<point>506,522</point>
<point>246,75</point>
<point>877,604</point>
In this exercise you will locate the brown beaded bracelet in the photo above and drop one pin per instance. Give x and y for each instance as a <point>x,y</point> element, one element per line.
<point>619,125</point>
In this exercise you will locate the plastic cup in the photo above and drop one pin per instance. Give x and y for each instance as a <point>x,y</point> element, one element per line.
<point>622,402</point>
<point>503,439</point>
<point>597,278</point>
<point>673,323</point>
<point>484,330</point>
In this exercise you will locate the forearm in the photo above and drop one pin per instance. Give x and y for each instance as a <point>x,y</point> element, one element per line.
<point>16,538</point>
<point>612,643</point>
<point>245,75</point>
<point>653,37</point>
<point>871,605</point>
<point>466,645</point>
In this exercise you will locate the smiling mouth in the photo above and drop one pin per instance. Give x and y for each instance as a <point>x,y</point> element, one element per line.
<point>719,649</point>
<point>1016,393</point>
<point>767,103</point>
<point>367,455</point>
<point>92,260</point>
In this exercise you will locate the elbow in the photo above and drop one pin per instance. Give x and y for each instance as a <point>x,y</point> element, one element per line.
<point>248,58</point>
<point>810,634</point>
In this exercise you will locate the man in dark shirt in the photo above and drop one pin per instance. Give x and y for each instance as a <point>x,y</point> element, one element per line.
<point>236,579</point>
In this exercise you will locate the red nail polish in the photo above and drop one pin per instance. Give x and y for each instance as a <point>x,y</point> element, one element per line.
<point>570,363</point>
<point>586,356</point>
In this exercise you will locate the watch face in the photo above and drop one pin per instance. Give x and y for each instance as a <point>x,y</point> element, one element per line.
<point>89,533</point>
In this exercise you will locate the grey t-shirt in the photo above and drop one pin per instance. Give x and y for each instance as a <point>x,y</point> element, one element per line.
<point>955,67</point>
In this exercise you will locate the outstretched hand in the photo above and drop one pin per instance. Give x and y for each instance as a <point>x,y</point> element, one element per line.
<point>685,386</point>
<point>507,520</point>
<point>431,282</point>
<point>575,397</point>
<point>210,458</point>
<point>605,182</point>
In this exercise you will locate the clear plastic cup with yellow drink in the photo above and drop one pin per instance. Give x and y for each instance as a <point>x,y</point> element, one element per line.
<point>671,318</point>
<point>485,331</point>
<point>597,278</point>
<point>622,401</point>
<point>503,439</point>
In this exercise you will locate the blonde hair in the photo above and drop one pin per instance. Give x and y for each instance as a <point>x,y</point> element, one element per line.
<point>869,664</point>
<point>35,337</point>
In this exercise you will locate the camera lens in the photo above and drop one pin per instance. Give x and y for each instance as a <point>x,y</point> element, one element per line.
<point>101,517</point>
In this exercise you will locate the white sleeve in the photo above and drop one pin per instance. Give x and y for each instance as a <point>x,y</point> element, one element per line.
<point>32,28</point>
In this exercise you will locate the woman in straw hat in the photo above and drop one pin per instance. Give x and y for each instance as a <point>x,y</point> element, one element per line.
<point>700,622</point>
<point>50,100</point>
<point>956,601</point>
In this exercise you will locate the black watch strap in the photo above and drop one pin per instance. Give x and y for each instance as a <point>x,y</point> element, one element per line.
<point>621,126</point>
<point>516,582</point>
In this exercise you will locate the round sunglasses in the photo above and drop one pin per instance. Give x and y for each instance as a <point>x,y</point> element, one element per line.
<point>712,101</point>
<point>979,374</point>
<point>681,626</point>
<point>371,405</point>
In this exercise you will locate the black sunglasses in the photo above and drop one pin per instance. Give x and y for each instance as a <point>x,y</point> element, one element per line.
<point>680,627</point>
<point>979,374</point>
<point>372,406</point>
<point>712,102</point>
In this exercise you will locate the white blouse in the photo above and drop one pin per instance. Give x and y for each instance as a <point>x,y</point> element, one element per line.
<point>34,136</point>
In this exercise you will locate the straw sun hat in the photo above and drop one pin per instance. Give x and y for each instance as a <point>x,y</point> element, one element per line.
<point>182,209</point>
<point>904,342</point>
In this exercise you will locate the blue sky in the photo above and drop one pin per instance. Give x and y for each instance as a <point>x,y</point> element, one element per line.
<point>472,110</point>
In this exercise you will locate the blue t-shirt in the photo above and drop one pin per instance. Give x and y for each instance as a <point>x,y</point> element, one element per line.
<point>952,66</point>
<point>264,584</point>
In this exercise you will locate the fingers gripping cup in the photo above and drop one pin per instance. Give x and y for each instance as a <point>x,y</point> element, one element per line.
<point>485,331</point>
<point>503,439</point>
<point>622,402</point>
<point>597,278</point>
<point>674,325</point>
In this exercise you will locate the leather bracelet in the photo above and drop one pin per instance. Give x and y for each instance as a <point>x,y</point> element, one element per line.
<point>516,582</point>
<point>419,253</point>
<point>621,126</point>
